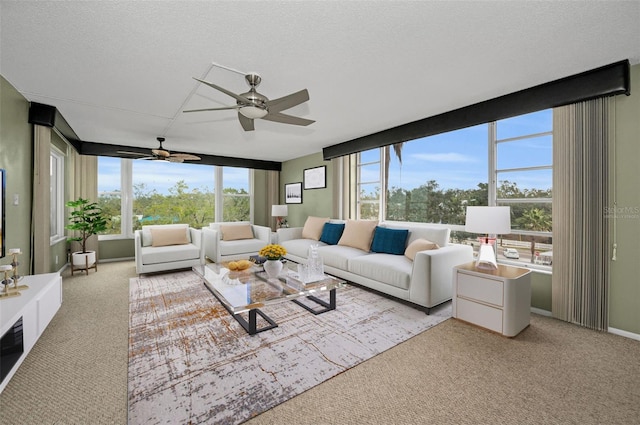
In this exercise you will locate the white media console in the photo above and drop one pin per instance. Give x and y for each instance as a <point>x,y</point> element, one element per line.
<point>36,306</point>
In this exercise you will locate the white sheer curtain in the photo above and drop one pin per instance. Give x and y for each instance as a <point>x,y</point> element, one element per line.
<point>580,281</point>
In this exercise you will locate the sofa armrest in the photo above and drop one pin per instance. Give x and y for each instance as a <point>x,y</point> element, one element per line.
<point>263,233</point>
<point>211,244</point>
<point>431,279</point>
<point>196,239</point>
<point>137,240</point>
<point>289,233</point>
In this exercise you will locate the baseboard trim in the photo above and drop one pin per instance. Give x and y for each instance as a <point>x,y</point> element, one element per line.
<point>541,312</point>
<point>626,334</point>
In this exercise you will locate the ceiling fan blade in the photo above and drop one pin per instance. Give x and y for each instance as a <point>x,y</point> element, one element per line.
<point>184,157</point>
<point>246,123</point>
<point>213,109</point>
<point>286,102</point>
<point>287,119</point>
<point>225,91</point>
<point>132,153</point>
<point>175,159</point>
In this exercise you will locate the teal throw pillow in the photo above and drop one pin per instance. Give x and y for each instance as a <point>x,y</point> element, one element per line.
<point>389,241</point>
<point>331,233</point>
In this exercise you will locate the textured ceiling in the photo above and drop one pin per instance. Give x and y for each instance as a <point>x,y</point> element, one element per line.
<point>121,72</point>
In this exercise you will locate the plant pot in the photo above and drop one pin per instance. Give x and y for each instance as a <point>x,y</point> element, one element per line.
<point>83,261</point>
<point>273,268</point>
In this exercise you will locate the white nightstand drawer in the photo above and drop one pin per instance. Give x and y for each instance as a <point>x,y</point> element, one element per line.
<point>479,288</point>
<point>479,314</point>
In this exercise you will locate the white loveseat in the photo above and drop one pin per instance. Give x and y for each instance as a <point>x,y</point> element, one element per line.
<point>425,281</point>
<point>234,240</point>
<point>164,247</point>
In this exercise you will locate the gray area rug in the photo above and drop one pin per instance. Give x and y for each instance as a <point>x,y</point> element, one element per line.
<point>191,362</point>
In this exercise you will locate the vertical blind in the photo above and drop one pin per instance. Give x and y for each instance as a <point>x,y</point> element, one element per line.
<point>580,281</point>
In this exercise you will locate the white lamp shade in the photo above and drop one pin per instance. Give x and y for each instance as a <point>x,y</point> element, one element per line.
<point>279,210</point>
<point>488,220</point>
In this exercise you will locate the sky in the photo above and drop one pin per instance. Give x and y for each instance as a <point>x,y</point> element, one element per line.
<point>457,159</point>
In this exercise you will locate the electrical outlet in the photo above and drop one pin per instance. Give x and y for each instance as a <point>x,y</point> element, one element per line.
<point>16,199</point>
<point>56,260</point>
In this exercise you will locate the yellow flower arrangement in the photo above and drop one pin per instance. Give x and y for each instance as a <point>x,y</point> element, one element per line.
<point>273,252</point>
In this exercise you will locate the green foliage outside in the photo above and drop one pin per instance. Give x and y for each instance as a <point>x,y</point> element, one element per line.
<point>195,207</point>
<point>428,203</point>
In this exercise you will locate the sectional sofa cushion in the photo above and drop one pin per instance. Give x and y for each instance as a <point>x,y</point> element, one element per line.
<point>234,232</point>
<point>331,233</point>
<point>339,256</point>
<point>171,236</point>
<point>394,270</point>
<point>419,245</point>
<point>389,241</point>
<point>358,234</point>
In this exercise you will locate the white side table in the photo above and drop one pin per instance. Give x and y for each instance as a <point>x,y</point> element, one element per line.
<point>498,300</point>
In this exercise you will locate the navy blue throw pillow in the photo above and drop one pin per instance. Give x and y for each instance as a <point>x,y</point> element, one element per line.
<point>389,241</point>
<point>331,233</point>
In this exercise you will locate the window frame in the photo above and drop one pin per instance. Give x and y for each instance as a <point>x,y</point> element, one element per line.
<point>493,185</point>
<point>57,217</point>
<point>126,201</point>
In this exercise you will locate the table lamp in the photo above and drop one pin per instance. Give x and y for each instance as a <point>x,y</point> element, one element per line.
<point>488,221</point>
<point>279,212</point>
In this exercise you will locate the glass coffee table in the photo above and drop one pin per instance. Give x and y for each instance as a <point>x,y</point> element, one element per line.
<point>249,290</point>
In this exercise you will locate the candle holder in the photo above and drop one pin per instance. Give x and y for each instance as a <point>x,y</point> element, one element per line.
<point>14,252</point>
<point>5,293</point>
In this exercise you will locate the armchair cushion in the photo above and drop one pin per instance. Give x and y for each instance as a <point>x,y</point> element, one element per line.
<point>234,232</point>
<point>147,238</point>
<point>171,236</point>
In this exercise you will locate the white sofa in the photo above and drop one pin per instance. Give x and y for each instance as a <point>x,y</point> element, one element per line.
<point>234,240</point>
<point>176,246</point>
<point>426,281</point>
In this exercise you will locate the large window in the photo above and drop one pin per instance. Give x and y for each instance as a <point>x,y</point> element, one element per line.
<point>56,190</point>
<point>134,193</point>
<point>433,179</point>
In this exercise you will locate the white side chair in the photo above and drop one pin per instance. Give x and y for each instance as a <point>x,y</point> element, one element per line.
<point>234,240</point>
<point>165,247</point>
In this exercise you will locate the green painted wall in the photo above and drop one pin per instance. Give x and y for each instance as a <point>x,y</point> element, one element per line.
<point>15,158</point>
<point>624,310</point>
<point>315,202</point>
<point>116,249</point>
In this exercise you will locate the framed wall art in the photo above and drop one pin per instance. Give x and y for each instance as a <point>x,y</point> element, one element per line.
<point>315,178</point>
<point>293,193</point>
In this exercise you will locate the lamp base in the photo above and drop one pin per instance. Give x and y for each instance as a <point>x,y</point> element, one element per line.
<point>486,258</point>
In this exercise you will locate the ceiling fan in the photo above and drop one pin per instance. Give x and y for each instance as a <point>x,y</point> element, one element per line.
<point>253,105</point>
<point>162,154</point>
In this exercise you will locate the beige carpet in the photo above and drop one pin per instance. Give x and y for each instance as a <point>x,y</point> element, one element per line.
<point>454,373</point>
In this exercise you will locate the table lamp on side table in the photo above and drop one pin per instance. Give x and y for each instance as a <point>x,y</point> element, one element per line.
<point>488,221</point>
<point>280,212</point>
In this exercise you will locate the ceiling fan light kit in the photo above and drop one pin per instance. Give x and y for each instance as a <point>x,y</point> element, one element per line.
<point>253,105</point>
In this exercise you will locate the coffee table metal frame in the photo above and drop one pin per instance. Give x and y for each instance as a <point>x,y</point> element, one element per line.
<point>256,277</point>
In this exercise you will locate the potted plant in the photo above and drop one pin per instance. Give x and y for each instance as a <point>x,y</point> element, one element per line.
<point>87,220</point>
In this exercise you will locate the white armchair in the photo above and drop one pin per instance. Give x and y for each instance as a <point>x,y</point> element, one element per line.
<point>234,240</point>
<point>167,247</point>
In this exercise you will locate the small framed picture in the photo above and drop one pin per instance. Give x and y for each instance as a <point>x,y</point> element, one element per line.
<point>315,178</point>
<point>293,193</point>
